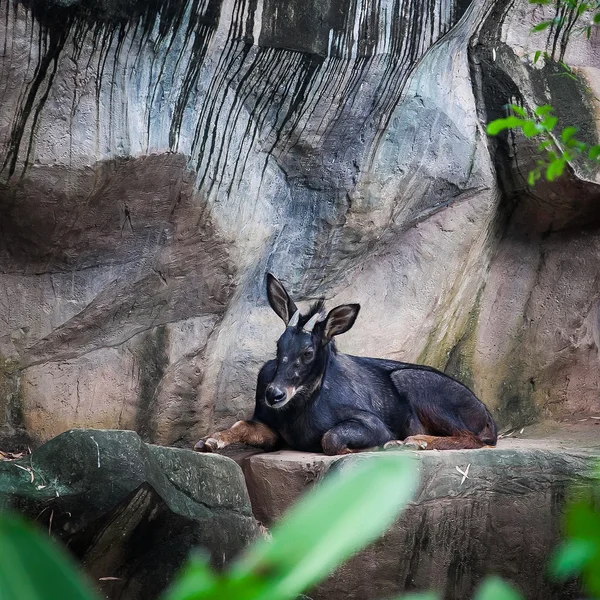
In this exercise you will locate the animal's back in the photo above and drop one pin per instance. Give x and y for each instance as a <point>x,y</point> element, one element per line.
<point>443,405</point>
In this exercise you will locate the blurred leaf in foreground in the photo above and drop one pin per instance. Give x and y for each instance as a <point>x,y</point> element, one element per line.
<point>342,515</point>
<point>34,567</point>
<point>494,588</point>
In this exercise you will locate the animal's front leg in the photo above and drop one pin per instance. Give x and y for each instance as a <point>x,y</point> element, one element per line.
<point>252,433</point>
<point>355,436</point>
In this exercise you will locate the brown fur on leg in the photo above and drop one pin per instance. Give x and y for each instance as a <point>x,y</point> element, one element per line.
<point>464,441</point>
<point>252,433</point>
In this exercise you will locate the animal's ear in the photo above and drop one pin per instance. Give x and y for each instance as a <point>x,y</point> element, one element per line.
<point>339,320</point>
<point>279,299</point>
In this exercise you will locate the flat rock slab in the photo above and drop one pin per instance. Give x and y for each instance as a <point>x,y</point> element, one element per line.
<point>130,511</point>
<point>504,518</point>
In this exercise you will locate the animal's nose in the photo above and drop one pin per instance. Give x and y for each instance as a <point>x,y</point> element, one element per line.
<point>274,394</point>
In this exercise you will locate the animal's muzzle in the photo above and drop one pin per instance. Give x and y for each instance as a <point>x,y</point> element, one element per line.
<point>275,395</point>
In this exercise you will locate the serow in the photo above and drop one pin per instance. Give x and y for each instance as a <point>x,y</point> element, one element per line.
<point>316,399</point>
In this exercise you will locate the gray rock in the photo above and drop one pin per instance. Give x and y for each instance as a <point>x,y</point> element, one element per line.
<point>157,158</point>
<point>129,511</point>
<point>503,519</point>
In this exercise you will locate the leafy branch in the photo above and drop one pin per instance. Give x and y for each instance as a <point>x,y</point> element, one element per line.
<point>555,155</point>
<point>569,12</point>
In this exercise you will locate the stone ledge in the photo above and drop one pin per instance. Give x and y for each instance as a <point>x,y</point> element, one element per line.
<point>504,518</point>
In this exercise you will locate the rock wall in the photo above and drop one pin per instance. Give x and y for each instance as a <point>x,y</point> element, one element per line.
<point>159,157</point>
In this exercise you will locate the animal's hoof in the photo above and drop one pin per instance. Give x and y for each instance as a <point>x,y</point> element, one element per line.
<point>415,442</point>
<point>394,445</point>
<point>206,445</point>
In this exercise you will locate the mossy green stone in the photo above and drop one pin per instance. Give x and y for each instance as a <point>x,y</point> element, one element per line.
<point>129,510</point>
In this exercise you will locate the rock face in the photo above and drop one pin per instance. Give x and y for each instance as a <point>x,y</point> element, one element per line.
<point>504,519</point>
<point>157,158</point>
<point>131,512</point>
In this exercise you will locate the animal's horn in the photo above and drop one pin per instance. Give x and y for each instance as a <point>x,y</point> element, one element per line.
<point>294,320</point>
<point>311,324</point>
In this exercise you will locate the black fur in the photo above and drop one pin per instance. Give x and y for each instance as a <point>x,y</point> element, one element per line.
<point>358,402</point>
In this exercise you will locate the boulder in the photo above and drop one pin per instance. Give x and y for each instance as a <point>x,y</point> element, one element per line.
<point>129,511</point>
<point>503,518</point>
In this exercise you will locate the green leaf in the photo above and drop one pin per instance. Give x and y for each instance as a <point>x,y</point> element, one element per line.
<point>420,596</point>
<point>341,516</point>
<point>583,525</point>
<point>594,152</point>
<point>541,26</point>
<point>498,125</point>
<point>494,588</point>
<point>550,123</point>
<point>582,8</point>
<point>597,18</point>
<point>197,580</point>
<point>569,75</point>
<point>568,133</point>
<point>537,56</point>
<point>572,557</point>
<point>519,110</point>
<point>531,178</point>
<point>34,567</point>
<point>542,111</point>
<point>555,169</point>
<point>531,128</point>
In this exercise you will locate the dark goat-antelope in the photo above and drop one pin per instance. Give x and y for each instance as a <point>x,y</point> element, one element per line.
<point>320,400</point>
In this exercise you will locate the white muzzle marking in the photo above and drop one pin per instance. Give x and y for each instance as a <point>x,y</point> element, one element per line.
<point>289,395</point>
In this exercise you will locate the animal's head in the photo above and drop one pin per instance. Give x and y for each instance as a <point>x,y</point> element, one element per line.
<point>303,348</point>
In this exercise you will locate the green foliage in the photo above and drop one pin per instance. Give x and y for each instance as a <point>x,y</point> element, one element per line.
<point>580,553</point>
<point>543,25</point>
<point>572,557</point>
<point>33,567</point>
<point>499,125</point>
<point>556,151</point>
<point>568,13</point>
<point>420,596</point>
<point>494,588</point>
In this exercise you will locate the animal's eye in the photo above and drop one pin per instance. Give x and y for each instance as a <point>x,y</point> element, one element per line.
<point>307,354</point>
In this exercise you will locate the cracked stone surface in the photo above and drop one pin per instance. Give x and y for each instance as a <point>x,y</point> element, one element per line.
<point>129,510</point>
<point>157,158</point>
